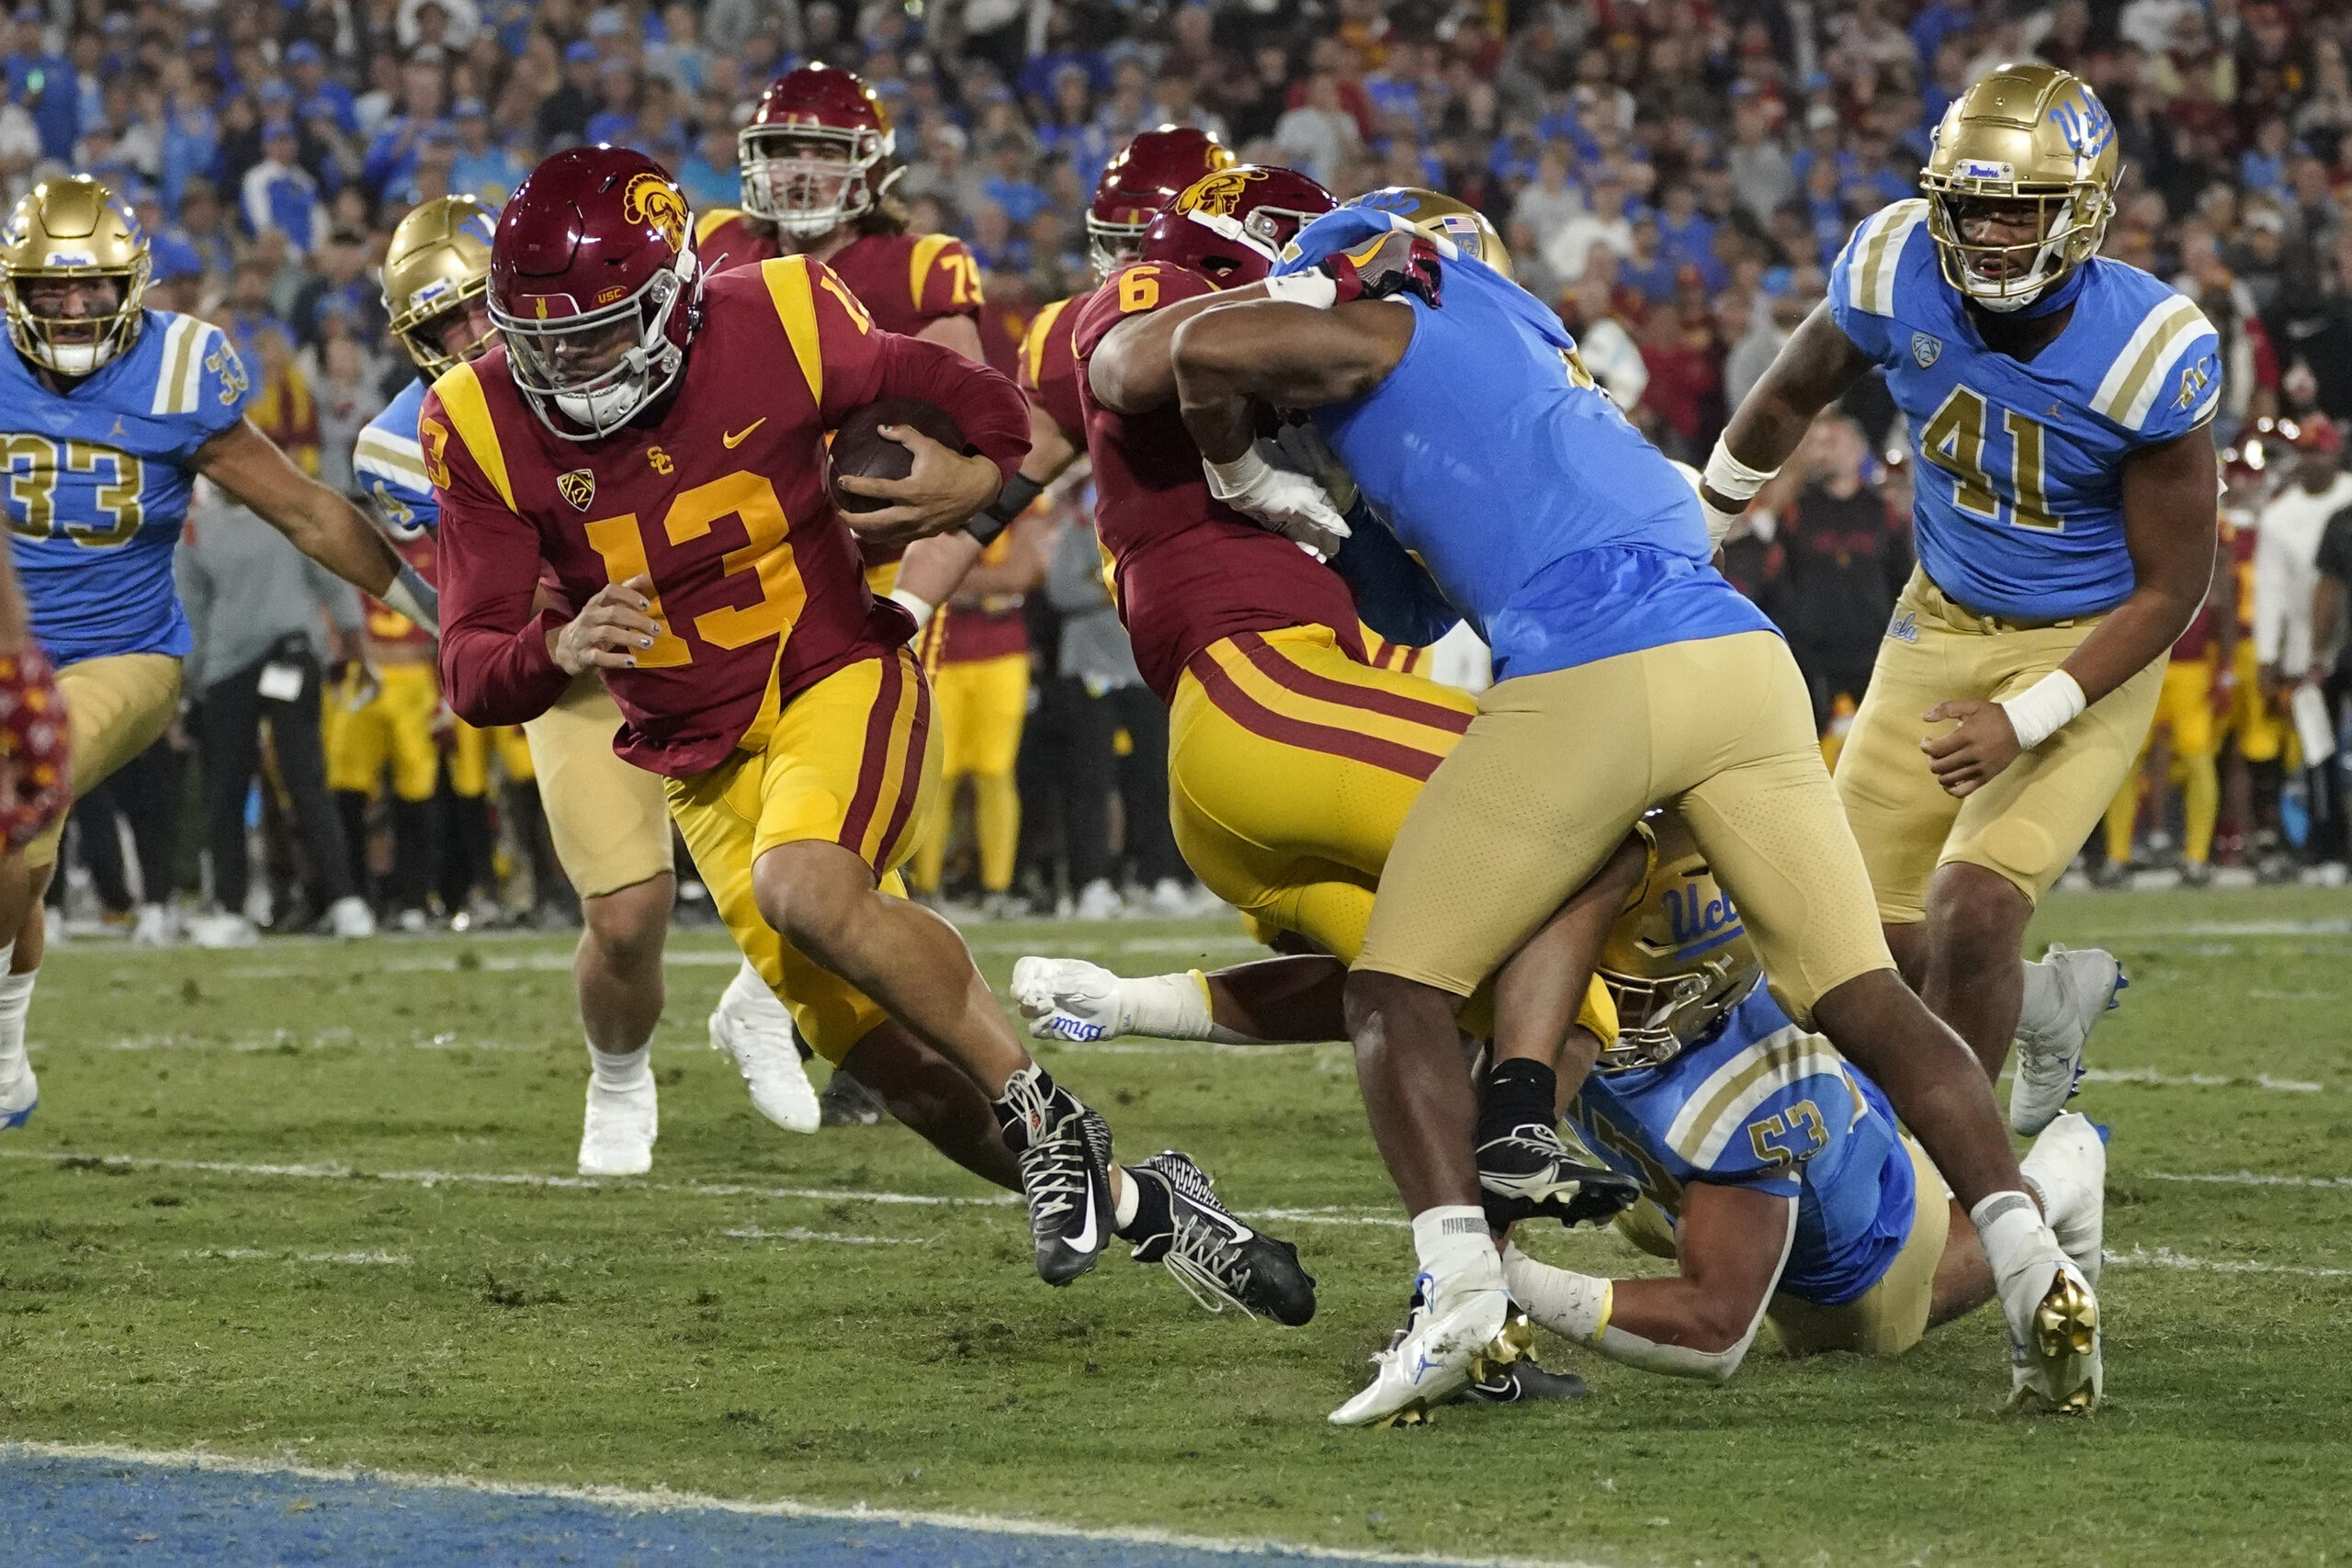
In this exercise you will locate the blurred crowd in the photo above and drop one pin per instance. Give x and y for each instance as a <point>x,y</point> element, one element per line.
<point>1674,175</point>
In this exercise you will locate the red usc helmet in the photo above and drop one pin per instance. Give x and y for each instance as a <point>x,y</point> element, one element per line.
<point>1141,180</point>
<point>1231,226</point>
<point>817,153</point>
<point>595,287</point>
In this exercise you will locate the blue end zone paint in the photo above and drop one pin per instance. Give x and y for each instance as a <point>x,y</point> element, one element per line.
<point>58,1510</point>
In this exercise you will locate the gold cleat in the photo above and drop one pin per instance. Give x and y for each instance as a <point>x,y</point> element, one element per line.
<point>1416,1414</point>
<point>1514,1341</point>
<point>2063,1372</point>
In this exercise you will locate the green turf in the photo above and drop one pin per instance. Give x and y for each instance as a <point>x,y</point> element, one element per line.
<point>664,1334</point>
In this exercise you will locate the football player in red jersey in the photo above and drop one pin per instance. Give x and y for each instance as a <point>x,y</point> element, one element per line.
<point>818,160</point>
<point>648,440</point>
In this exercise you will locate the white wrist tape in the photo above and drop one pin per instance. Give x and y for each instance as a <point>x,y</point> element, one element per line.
<point>414,597</point>
<point>1230,480</point>
<point>2044,708</point>
<point>1730,477</point>
<point>916,605</point>
<point>1318,290</point>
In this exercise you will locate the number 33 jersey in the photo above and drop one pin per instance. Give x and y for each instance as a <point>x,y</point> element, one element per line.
<point>98,482</point>
<point>717,495</point>
<point>2018,508</point>
<point>1764,1104</point>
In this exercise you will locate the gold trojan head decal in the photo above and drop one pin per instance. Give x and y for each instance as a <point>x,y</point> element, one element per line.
<point>1219,193</point>
<point>653,201</point>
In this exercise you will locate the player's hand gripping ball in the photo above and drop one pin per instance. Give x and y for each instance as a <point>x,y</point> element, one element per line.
<point>860,448</point>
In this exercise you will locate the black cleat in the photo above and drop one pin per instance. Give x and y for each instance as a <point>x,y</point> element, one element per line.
<point>1529,1173</point>
<point>1064,1154</point>
<point>1523,1383</point>
<point>1218,1259</point>
<point>848,1103</point>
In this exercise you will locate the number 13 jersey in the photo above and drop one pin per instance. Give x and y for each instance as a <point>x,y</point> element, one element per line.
<point>2018,508</point>
<point>717,495</point>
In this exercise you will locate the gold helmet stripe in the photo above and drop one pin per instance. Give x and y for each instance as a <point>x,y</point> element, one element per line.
<point>1870,282</point>
<point>1719,1108</point>
<point>181,381</point>
<point>2137,375</point>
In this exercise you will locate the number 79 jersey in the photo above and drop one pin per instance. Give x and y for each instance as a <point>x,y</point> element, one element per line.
<point>2018,509</point>
<point>96,483</point>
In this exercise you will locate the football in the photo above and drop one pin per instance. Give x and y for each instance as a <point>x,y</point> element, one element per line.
<point>860,447</point>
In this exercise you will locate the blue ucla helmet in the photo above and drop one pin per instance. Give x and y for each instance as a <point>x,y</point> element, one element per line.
<point>1678,958</point>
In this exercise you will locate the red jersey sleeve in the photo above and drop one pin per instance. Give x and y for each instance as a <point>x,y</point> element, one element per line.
<point>1049,367</point>
<point>495,668</point>
<point>943,278</point>
<point>862,365</point>
<point>1133,291</point>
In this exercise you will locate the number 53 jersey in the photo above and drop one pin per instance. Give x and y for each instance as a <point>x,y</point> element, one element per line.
<point>717,494</point>
<point>97,479</point>
<point>2018,509</point>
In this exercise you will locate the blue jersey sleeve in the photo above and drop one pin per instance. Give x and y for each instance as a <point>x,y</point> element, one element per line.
<point>1861,281</point>
<point>1763,1112</point>
<point>200,383</point>
<point>2166,380</point>
<point>389,466</point>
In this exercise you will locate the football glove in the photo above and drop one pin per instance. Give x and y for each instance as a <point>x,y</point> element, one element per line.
<point>36,772</point>
<point>1400,263</point>
<point>1290,505</point>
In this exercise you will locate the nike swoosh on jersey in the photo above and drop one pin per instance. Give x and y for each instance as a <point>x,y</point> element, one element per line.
<point>735,439</point>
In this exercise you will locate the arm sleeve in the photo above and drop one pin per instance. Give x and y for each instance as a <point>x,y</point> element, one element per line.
<point>862,365</point>
<point>495,668</point>
<point>1396,596</point>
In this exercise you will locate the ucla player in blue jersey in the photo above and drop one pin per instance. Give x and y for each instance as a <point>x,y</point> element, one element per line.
<point>109,411</point>
<point>609,820</point>
<point>1629,674</point>
<point>1772,1169</point>
<point>2066,516</point>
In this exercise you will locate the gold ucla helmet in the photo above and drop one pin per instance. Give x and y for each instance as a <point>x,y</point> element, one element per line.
<point>63,230</point>
<point>438,262</point>
<point>1442,216</point>
<point>1679,957</point>
<point>2029,133</point>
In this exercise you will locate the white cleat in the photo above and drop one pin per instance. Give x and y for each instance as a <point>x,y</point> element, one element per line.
<point>19,1096</point>
<point>617,1139</point>
<point>155,927</point>
<point>1098,900</point>
<point>2050,1056</point>
<point>753,1027</point>
<point>350,917</point>
<point>222,930</point>
<point>1169,899</point>
<point>1068,998</point>
<point>1436,1356</point>
<point>2054,1361</point>
<point>2067,1164</point>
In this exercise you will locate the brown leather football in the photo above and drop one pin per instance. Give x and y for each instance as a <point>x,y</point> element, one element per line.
<point>860,447</point>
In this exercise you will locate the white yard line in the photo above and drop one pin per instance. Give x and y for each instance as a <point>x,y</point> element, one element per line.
<point>336,1172</point>
<point>2166,1258</point>
<point>2247,1178</point>
<point>664,1500</point>
<point>256,1255</point>
<point>2150,1076</point>
<point>798,1232</point>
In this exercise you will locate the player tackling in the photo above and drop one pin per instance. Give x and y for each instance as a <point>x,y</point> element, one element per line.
<point>2066,514</point>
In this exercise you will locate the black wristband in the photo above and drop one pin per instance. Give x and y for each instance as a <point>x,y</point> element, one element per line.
<point>1011,502</point>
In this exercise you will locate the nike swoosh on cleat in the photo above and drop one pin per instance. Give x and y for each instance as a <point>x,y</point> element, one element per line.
<point>1085,1239</point>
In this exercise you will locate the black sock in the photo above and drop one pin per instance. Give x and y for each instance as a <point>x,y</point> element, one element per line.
<point>1155,1214</point>
<point>1026,1108</point>
<point>1519,1092</point>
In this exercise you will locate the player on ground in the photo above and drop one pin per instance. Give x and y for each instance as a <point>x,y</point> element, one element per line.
<point>1629,674</point>
<point>818,160</point>
<point>1773,1170</point>
<point>609,821</point>
<point>632,437</point>
<point>2058,404</point>
<point>109,411</point>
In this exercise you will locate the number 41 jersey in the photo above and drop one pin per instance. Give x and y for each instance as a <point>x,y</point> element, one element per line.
<point>2020,489</point>
<point>97,481</point>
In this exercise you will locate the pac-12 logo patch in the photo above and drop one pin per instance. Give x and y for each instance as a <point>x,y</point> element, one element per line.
<point>578,487</point>
<point>1925,349</point>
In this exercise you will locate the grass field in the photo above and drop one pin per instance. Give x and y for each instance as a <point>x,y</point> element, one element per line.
<point>315,1200</point>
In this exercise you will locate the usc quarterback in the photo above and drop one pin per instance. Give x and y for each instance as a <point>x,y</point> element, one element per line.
<point>651,441</point>
<point>109,411</point>
<point>608,820</point>
<point>2058,404</point>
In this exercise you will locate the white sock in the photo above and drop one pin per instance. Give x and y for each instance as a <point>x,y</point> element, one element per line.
<point>15,1000</point>
<point>1172,1007</point>
<point>1572,1305</point>
<point>620,1070</point>
<point>747,993</point>
<point>1456,1251</point>
<point>1130,1199</point>
<point>2044,1005</point>
<point>2020,1248</point>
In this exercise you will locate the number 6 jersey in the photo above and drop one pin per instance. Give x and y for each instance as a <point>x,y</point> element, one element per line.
<point>717,494</point>
<point>2020,489</point>
<point>98,482</point>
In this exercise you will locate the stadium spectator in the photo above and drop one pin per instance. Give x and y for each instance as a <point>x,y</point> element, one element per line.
<point>1840,560</point>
